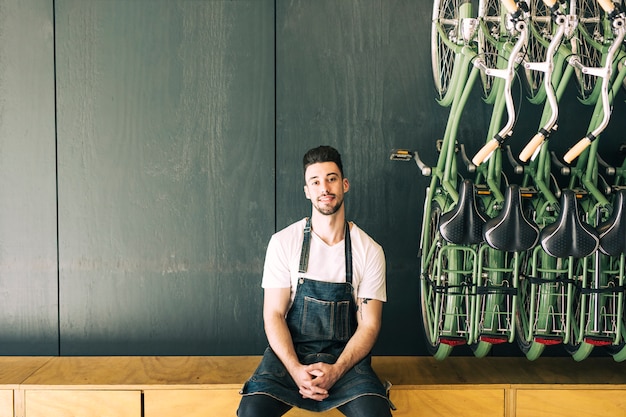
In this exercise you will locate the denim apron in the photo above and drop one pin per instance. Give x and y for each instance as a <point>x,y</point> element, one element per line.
<point>321,320</point>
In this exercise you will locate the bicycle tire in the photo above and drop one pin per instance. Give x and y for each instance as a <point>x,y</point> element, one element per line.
<point>618,351</point>
<point>587,45</point>
<point>491,17</point>
<point>546,303</point>
<point>531,349</point>
<point>576,347</point>
<point>446,18</point>
<point>489,316</point>
<point>541,34</point>
<point>433,301</point>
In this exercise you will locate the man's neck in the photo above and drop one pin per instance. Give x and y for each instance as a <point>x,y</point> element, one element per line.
<point>329,228</point>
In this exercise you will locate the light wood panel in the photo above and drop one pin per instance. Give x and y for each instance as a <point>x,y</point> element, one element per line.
<point>598,402</point>
<point>6,403</point>
<point>445,402</point>
<point>52,403</point>
<point>191,403</point>
<point>202,403</point>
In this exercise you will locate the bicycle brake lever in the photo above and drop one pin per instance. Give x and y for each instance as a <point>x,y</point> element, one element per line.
<point>609,169</point>
<point>468,164</point>
<point>565,170</point>
<point>517,167</point>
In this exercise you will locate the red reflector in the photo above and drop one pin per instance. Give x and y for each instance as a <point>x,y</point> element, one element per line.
<point>598,341</point>
<point>548,340</point>
<point>494,339</point>
<point>452,340</point>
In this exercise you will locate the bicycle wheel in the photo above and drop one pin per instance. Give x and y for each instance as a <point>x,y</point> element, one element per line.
<point>446,33</point>
<point>618,348</point>
<point>540,37</point>
<point>435,302</point>
<point>537,305</point>
<point>580,314</point>
<point>523,327</point>
<point>618,351</point>
<point>491,20</point>
<point>492,306</point>
<point>588,45</point>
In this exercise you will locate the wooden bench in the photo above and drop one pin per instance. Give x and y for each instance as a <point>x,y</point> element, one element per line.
<point>209,386</point>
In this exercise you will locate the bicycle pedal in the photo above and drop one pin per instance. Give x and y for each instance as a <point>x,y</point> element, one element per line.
<point>401,155</point>
<point>482,189</point>
<point>528,192</point>
<point>596,340</point>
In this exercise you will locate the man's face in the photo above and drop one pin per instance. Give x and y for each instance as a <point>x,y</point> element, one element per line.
<point>325,187</point>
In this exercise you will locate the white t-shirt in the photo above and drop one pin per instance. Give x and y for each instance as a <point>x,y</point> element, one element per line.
<point>326,263</point>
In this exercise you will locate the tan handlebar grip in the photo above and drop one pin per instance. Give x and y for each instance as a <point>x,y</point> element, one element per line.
<point>485,151</point>
<point>607,5</point>
<point>576,150</point>
<point>531,147</point>
<point>510,5</point>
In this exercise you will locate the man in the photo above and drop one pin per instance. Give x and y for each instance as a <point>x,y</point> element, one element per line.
<point>324,288</point>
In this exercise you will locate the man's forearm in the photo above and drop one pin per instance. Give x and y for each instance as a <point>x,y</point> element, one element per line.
<point>280,341</point>
<point>358,347</point>
<point>369,315</point>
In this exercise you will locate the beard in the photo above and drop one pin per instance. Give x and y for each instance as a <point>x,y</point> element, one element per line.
<point>328,210</point>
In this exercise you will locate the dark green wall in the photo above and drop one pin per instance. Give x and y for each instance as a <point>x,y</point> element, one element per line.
<point>149,148</point>
<point>28,239</point>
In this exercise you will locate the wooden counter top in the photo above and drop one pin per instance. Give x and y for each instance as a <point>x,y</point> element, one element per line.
<point>491,370</point>
<point>201,372</point>
<point>15,369</point>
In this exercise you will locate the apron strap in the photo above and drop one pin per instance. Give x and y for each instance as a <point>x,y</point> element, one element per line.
<point>306,247</point>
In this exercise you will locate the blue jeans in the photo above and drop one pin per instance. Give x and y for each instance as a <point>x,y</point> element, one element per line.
<point>265,406</point>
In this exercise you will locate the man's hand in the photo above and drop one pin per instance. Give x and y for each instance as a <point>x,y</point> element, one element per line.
<point>305,377</point>
<point>327,375</point>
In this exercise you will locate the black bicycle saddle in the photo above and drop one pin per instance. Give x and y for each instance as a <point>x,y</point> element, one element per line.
<point>463,225</point>
<point>569,236</point>
<point>510,230</point>
<point>613,231</point>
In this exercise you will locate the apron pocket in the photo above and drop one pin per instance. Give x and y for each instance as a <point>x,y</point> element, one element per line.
<point>318,318</point>
<point>342,322</point>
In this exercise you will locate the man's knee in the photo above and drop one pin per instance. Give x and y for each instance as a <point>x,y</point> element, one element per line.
<point>261,405</point>
<point>367,405</point>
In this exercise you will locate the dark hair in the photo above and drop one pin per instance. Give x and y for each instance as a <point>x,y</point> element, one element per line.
<point>322,154</point>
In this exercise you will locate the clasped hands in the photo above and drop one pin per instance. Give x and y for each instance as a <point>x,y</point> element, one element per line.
<point>315,380</point>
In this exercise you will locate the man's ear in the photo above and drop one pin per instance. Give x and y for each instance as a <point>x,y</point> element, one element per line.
<point>346,185</point>
<point>306,192</point>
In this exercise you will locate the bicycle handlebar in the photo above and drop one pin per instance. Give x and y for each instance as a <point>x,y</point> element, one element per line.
<point>508,74</point>
<point>577,149</point>
<point>606,74</point>
<point>532,146</point>
<point>548,66</point>
<point>607,5</point>
<point>510,5</point>
<point>485,151</point>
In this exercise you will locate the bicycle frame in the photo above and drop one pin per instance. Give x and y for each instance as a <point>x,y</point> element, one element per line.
<point>448,271</point>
